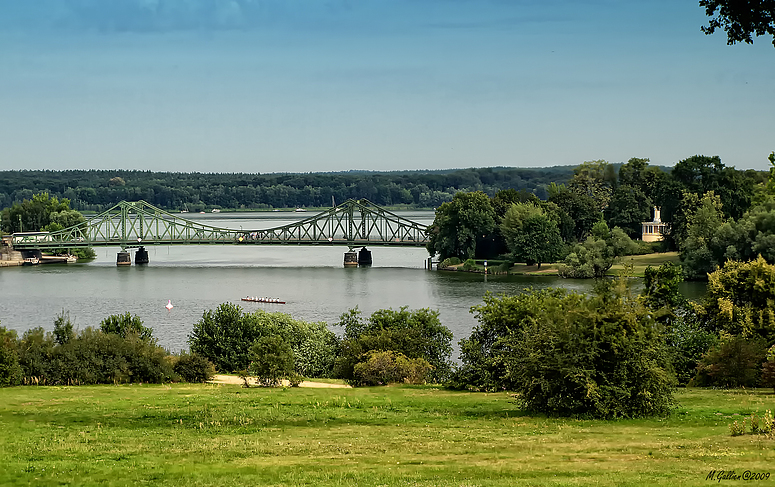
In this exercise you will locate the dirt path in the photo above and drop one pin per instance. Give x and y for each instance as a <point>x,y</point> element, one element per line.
<point>231,379</point>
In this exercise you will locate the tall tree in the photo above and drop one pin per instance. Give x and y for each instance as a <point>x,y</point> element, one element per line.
<point>702,228</point>
<point>581,209</point>
<point>460,224</point>
<point>596,179</point>
<point>530,235</point>
<point>742,20</point>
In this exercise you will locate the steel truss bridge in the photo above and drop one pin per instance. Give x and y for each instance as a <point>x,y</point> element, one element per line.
<point>137,224</point>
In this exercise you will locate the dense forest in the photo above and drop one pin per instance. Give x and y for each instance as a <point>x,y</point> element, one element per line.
<point>98,190</point>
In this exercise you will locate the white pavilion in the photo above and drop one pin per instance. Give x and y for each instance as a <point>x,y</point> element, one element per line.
<point>653,231</point>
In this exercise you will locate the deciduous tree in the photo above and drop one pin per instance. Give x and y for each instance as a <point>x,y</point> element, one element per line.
<point>741,20</point>
<point>460,224</point>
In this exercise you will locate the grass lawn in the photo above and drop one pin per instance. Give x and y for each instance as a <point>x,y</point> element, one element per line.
<point>640,262</point>
<point>192,435</point>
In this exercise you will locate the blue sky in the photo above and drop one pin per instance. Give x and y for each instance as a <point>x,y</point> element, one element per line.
<point>329,85</point>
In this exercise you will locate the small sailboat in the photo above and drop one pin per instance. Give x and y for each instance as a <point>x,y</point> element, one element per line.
<point>169,305</point>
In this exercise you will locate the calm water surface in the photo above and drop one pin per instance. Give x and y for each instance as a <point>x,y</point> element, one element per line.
<point>311,279</point>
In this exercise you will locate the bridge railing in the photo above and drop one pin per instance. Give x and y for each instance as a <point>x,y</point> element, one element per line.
<point>134,224</point>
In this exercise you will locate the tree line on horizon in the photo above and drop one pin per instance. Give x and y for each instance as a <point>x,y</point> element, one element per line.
<point>98,190</point>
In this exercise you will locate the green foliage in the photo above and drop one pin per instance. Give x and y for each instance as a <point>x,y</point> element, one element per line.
<point>449,262</point>
<point>192,367</point>
<point>688,343</point>
<point>469,265</point>
<point>10,371</point>
<point>740,20</point>
<point>740,300</point>
<point>597,254</point>
<point>768,368</point>
<point>83,253</point>
<point>271,360</point>
<point>63,328</point>
<point>415,334</point>
<point>225,336</point>
<point>702,229</point>
<point>501,318</point>
<point>125,325</point>
<point>580,209</point>
<point>600,356</point>
<point>93,190</point>
<point>460,224</point>
<point>661,287</point>
<point>531,236</point>
<point>733,362</point>
<point>570,354</point>
<point>629,207</point>
<point>385,367</point>
<point>34,214</point>
<point>595,179</point>
<point>37,354</point>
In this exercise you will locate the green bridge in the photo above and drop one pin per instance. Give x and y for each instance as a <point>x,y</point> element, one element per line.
<point>139,224</point>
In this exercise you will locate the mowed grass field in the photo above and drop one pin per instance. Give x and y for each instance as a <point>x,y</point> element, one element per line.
<point>192,435</point>
<point>640,262</point>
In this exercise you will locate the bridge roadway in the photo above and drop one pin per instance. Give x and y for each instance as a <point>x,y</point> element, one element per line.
<point>139,224</point>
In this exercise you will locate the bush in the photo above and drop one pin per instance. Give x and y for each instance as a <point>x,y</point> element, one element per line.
<point>36,354</point>
<point>124,325</point>
<point>768,368</point>
<point>501,318</point>
<point>10,371</point>
<point>688,344</point>
<point>271,360</point>
<point>469,265</point>
<point>192,367</point>
<point>415,334</point>
<point>569,354</point>
<point>449,262</point>
<point>733,362</point>
<point>94,357</point>
<point>382,368</point>
<point>225,336</point>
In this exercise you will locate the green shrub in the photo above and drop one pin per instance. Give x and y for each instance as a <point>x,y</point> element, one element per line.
<point>569,354</point>
<point>36,354</point>
<point>10,371</point>
<point>449,262</point>
<point>415,334</point>
<point>225,336</point>
<point>484,352</point>
<point>688,344</point>
<point>386,367</point>
<point>733,362</point>
<point>469,265</point>
<point>271,360</point>
<point>192,367</point>
<point>768,368</point>
<point>124,325</point>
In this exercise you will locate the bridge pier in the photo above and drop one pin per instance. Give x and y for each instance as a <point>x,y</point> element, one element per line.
<point>141,256</point>
<point>123,258</point>
<point>364,257</point>
<point>351,258</point>
<point>355,259</point>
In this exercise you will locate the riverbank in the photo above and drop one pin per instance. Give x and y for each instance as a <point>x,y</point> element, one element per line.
<point>420,435</point>
<point>639,264</point>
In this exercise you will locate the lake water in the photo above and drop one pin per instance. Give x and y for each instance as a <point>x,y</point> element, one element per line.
<point>311,279</point>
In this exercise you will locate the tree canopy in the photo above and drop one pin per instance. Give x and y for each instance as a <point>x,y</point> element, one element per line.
<point>742,20</point>
<point>460,224</point>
